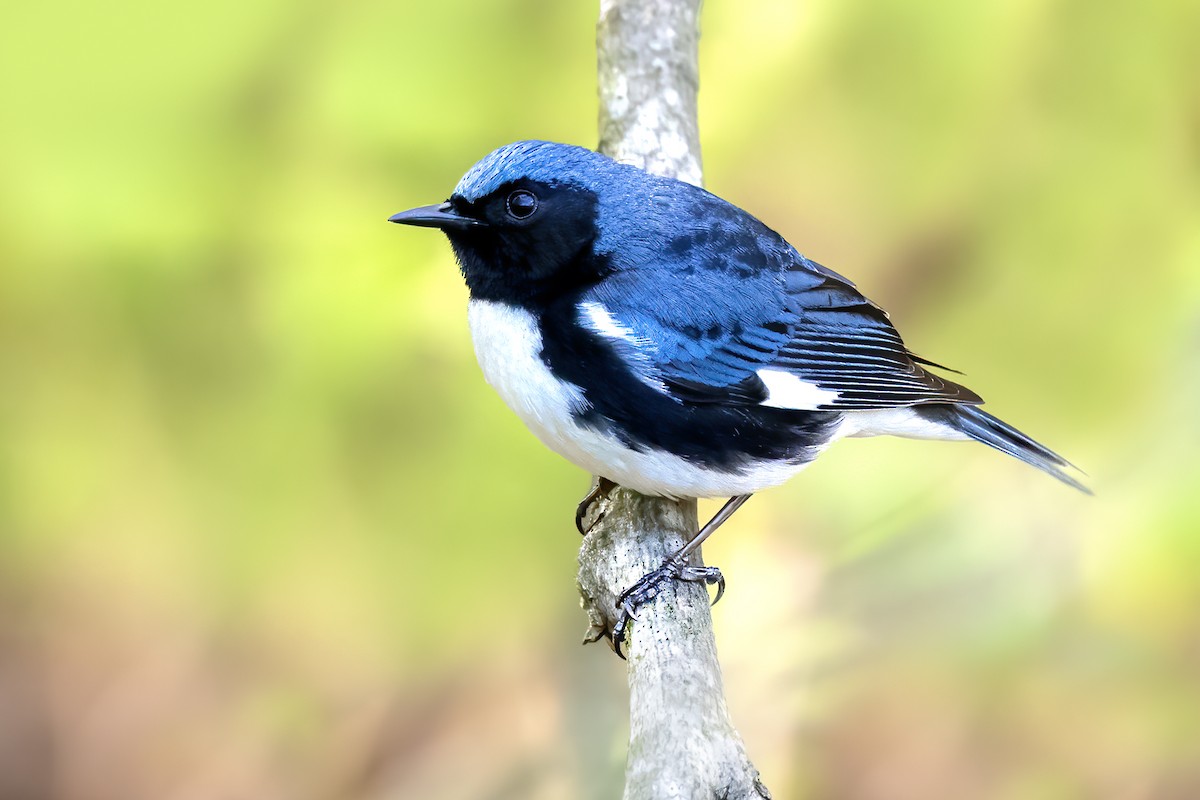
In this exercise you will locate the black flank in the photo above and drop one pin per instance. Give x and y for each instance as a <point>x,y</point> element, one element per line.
<point>710,435</point>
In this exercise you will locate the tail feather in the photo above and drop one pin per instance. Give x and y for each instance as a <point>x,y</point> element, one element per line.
<point>983,427</point>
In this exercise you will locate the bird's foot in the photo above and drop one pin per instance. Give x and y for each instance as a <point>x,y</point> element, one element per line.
<point>649,586</point>
<point>599,492</point>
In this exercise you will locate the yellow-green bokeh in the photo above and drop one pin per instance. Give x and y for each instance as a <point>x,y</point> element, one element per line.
<point>264,531</point>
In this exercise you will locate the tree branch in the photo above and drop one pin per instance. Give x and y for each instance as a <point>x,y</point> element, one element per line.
<point>682,743</point>
<point>649,76</point>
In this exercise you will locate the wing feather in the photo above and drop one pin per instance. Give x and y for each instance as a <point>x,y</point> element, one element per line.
<point>707,340</point>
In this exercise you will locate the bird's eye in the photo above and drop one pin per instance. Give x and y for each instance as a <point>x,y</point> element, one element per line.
<point>521,204</point>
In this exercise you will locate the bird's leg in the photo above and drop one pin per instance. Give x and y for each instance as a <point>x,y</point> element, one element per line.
<point>601,489</point>
<point>674,568</point>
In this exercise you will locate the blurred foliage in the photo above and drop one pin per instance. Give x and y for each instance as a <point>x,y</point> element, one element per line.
<point>265,533</point>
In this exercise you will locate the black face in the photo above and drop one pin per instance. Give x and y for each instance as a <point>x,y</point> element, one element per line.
<point>525,243</point>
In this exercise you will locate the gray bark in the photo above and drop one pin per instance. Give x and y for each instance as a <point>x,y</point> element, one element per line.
<point>649,75</point>
<point>682,743</point>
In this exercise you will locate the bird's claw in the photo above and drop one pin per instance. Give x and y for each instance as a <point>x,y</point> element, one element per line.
<point>599,491</point>
<point>650,585</point>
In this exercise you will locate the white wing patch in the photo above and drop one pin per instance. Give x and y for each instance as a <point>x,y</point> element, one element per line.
<point>786,390</point>
<point>601,320</point>
<point>635,349</point>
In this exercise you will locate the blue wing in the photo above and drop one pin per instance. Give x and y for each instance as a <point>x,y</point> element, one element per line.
<point>761,326</point>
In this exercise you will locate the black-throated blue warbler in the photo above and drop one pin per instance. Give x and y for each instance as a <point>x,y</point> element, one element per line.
<point>662,338</point>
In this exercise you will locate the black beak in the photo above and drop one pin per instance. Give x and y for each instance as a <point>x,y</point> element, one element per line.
<point>440,216</point>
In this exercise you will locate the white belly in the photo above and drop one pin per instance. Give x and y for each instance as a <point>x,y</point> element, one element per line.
<point>508,346</point>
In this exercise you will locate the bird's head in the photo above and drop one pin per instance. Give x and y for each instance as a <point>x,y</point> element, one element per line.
<point>524,220</point>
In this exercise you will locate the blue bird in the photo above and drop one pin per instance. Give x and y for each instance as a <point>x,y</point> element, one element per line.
<point>662,338</point>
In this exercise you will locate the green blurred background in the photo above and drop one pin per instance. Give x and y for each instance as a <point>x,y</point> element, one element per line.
<point>265,532</point>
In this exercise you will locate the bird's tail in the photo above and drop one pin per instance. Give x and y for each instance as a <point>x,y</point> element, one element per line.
<point>983,427</point>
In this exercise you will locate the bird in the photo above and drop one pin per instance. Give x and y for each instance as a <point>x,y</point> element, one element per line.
<point>669,342</point>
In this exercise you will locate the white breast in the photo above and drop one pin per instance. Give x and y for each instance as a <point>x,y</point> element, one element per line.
<point>508,345</point>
